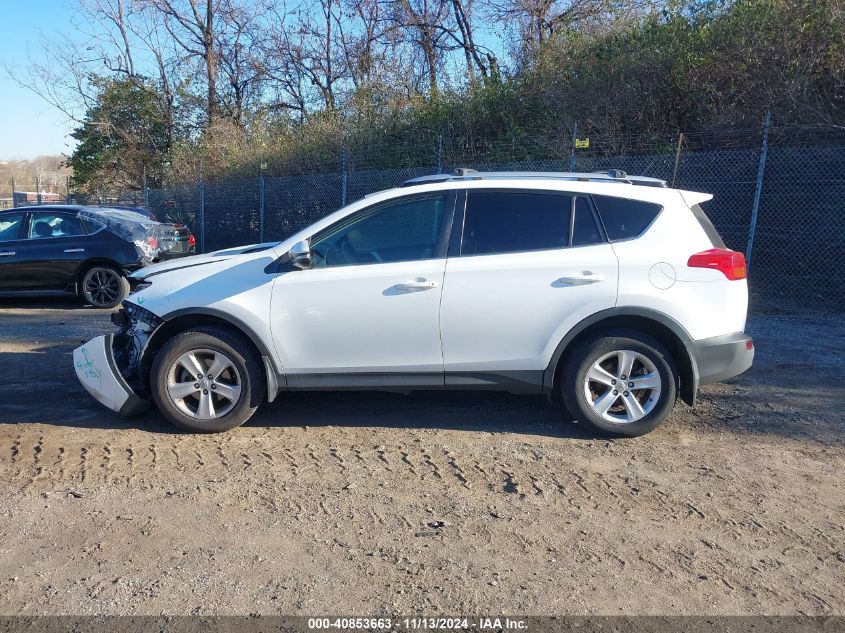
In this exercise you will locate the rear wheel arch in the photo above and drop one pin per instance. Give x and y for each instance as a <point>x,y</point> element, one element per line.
<point>657,325</point>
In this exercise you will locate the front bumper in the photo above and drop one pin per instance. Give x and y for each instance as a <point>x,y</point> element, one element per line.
<point>723,357</point>
<point>98,373</point>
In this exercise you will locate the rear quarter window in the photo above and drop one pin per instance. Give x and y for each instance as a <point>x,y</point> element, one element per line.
<point>715,239</point>
<point>624,219</point>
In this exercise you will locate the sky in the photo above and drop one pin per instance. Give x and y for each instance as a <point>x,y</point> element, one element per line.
<point>30,127</point>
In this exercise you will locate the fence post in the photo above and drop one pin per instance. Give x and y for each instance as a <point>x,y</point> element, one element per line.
<point>67,189</point>
<point>761,171</point>
<point>343,176</point>
<point>439,153</point>
<point>14,189</point>
<point>261,207</point>
<point>38,188</point>
<point>146,190</point>
<point>677,158</point>
<point>202,216</point>
<point>572,153</point>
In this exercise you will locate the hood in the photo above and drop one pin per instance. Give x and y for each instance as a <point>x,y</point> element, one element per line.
<point>199,260</point>
<point>220,281</point>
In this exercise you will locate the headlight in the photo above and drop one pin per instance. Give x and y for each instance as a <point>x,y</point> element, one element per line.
<point>137,313</point>
<point>138,284</point>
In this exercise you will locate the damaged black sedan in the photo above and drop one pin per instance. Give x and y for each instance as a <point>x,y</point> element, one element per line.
<point>85,251</point>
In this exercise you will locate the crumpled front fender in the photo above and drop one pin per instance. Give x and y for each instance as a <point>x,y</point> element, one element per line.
<point>98,373</point>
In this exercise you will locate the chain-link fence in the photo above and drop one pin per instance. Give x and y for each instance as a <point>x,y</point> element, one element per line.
<point>779,194</point>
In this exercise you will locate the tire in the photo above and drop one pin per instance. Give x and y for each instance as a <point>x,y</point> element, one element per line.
<point>205,406</point>
<point>588,393</point>
<point>104,287</point>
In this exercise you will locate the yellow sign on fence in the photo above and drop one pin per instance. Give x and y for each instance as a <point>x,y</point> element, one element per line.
<point>582,143</point>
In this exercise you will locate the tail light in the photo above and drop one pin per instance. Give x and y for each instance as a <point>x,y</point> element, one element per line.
<point>730,263</point>
<point>192,241</point>
<point>153,243</point>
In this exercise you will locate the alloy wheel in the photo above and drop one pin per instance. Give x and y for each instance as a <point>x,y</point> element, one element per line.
<point>204,384</point>
<point>623,386</point>
<point>102,287</point>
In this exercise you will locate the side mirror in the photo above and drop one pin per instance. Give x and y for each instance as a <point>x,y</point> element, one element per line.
<point>300,255</point>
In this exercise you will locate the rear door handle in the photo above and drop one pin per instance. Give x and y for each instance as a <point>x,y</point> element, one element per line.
<point>74,250</point>
<point>417,284</point>
<point>581,279</point>
<point>6,253</point>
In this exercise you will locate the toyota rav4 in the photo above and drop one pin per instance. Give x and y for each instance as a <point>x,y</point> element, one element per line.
<point>612,292</point>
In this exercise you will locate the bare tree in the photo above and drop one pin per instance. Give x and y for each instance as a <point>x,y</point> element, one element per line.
<point>538,20</point>
<point>304,55</point>
<point>476,57</point>
<point>193,25</point>
<point>240,49</point>
<point>425,24</point>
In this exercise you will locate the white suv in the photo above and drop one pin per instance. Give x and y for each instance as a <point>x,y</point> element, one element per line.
<point>612,292</point>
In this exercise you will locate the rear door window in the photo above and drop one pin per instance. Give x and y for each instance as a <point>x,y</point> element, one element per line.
<point>514,221</point>
<point>44,224</point>
<point>624,219</point>
<point>585,230</point>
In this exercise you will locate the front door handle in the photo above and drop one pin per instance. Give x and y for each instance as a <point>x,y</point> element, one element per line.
<point>417,284</point>
<point>580,279</point>
<point>74,250</point>
<point>7,253</point>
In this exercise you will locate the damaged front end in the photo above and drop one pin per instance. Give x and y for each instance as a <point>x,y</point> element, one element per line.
<point>111,367</point>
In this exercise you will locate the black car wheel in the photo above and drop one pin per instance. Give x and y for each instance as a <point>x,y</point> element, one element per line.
<point>104,287</point>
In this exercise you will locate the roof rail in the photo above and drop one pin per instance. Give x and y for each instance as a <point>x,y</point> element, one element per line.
<point>613,173</point>
<point>609,175</point>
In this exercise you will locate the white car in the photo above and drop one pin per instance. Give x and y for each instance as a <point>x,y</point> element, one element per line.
<point>612,292</point>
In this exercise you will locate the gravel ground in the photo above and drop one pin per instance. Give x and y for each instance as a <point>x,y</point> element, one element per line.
<point>424,504</point>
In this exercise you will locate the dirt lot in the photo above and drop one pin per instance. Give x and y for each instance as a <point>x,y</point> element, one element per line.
<point>431,503</point>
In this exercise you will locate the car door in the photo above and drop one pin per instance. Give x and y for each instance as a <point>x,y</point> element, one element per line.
<point>53,247</point>
<point>525,267</point>
<point>369,305</point>
<point>11,226</point>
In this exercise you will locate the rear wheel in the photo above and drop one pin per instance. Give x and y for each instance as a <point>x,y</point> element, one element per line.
<point>620,383</point>
<point>104,287</point>
<point>207,380</point>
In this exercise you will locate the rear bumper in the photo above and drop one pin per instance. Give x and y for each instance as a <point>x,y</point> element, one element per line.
<point>723,357</point>
<point>96,370</point>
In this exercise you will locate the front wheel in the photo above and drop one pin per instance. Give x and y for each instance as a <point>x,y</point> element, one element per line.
<point>207,379</point>
<point>620,383</point>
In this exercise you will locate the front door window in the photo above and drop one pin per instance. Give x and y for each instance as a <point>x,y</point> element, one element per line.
<point>402,231</point>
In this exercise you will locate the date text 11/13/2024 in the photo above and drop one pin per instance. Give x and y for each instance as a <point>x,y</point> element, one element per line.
<point>419,624</point>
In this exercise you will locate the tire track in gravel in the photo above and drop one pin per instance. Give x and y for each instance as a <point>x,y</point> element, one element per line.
<point>130,460</point>
<point>566,479</point>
